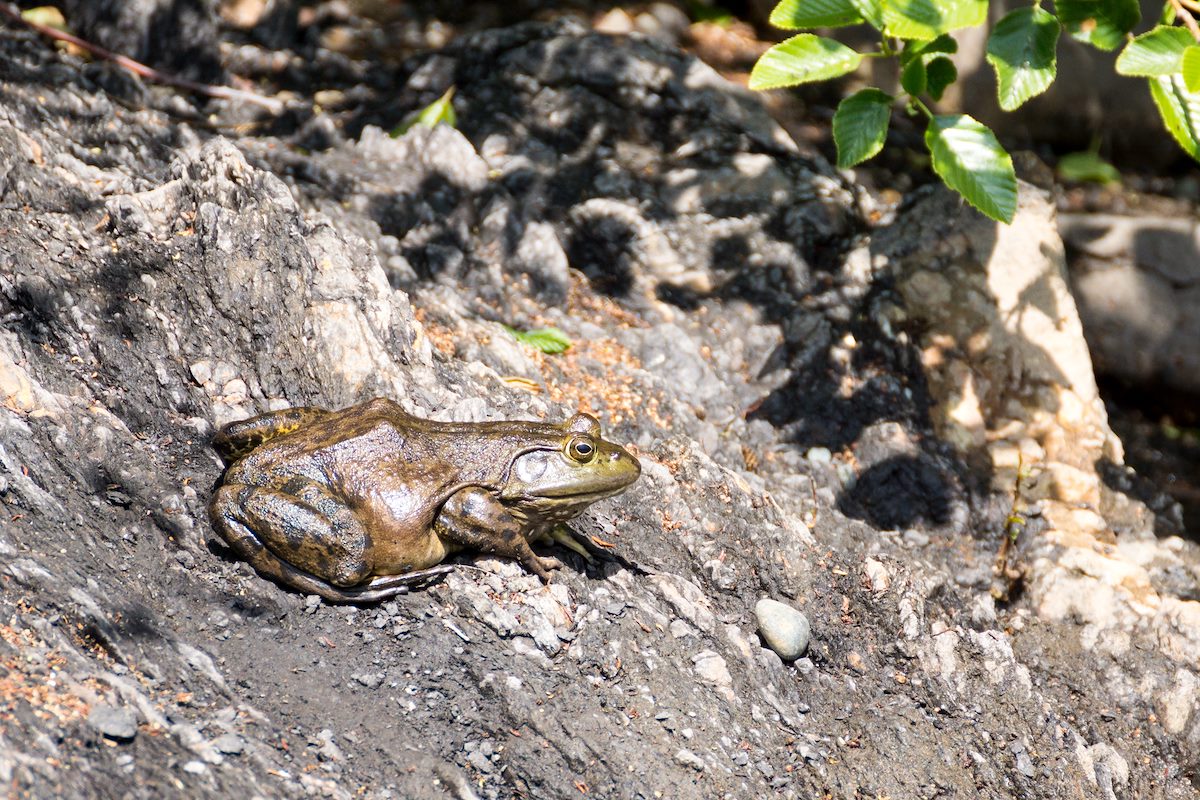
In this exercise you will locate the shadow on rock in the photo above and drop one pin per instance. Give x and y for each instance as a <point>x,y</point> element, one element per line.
<point>898,493</point>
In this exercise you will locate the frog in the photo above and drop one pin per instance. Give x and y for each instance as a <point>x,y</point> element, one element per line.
<point>360,504</point>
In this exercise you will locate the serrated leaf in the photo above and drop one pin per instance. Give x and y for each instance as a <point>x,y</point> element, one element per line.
<point>860,126</point>
<point>1180,111</point>
<point>912,77</point>
<point>802,59</point>
<point>1157,52</point>
<point>942,44</point>
<point>939,73</point>
<point>1087,167</point>
<point>1191,68</point>
<point>928,19</point>
<point>871,11</point>
<point>798,14</point>
<point>1021,48</point>
<point>1100,23</point>
<point>548,340</point>
<point>968,158</point>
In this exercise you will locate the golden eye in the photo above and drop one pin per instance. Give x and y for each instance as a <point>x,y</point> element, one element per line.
<point>581,449</point>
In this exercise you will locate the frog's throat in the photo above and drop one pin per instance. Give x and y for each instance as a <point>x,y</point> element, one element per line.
<point>547,508</point>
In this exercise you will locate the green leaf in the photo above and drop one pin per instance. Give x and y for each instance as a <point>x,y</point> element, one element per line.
<point>1087,167</point>
<point>928,19</point>
<point>912,77</point>
<point>939,73</point>
<point>548,340</point>
<point>1158,52</point>
<point>860,125</point>
<point>1021,50</point>
<point>942,44</point>
<point>49,16</point>
<point>440,110</point>
<point>1100,23</point>
<point>797,14</point>
<point>802,59</point>
<point>968,158</point>
<point>871,11</point>
<point>710,12</point>
<point>1180,111</point>
<point>924,67</point>
<point>1191,68</point>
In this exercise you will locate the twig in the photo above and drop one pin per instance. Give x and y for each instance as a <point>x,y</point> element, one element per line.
<point>149,73</point>
<point>1188,20</point>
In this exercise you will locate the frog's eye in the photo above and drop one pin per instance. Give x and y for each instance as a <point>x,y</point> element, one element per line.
<point>581,449</point>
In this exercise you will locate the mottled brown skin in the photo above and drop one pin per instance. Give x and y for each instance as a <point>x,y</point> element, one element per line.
<point>357,505</point>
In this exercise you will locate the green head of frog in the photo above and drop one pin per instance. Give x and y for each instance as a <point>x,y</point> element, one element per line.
<point>554,480</point>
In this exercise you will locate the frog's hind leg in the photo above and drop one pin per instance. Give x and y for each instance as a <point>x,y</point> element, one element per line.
<point>238,438</point>
<point>304,538</point>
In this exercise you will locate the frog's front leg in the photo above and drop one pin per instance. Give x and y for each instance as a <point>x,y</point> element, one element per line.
<point>302,536</point>
<point>475,520</point>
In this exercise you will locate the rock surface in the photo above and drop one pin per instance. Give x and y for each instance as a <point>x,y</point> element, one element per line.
<point>731,320</point>
<point>1138,283</point>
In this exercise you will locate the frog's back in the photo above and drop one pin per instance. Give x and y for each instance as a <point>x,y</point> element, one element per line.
<point>360,446</point>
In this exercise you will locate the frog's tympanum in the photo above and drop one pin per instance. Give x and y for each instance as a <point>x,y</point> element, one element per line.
<point>356,505</point>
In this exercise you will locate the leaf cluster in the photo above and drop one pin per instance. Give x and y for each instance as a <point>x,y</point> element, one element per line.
<point>1021,49</point>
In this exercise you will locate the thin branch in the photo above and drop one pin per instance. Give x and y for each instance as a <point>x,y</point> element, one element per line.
<point>1188,20</point>
<point>149,73</point>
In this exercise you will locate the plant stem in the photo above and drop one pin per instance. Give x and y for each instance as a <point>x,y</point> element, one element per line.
<point>1188,20</point>
<point>916,101</point>
<point>149,73</point>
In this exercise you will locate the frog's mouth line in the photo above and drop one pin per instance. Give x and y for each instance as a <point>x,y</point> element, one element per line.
<point>575,497</point>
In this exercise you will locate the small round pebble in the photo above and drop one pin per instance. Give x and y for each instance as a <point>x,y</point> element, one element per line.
<point>819,455</point>
<point>783,628</point>
<point>689,759</point>
<point>116,723</point>
<point>230,744</point>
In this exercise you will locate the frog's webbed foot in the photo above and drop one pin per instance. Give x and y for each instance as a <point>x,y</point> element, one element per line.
<point>373,591</point>
<point>563,535</point>
<point>541,566</point>
<point>386,586</point>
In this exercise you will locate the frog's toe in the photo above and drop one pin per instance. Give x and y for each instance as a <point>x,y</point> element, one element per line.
<point>387,586</point>
<point>543,566</point>
<point>565,537</point>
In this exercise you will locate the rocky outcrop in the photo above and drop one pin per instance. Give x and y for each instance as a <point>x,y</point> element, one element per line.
<point>1138,283</point>
<point>729,318</point>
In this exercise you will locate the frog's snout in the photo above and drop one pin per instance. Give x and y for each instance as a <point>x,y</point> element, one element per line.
<point>621,461</point>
